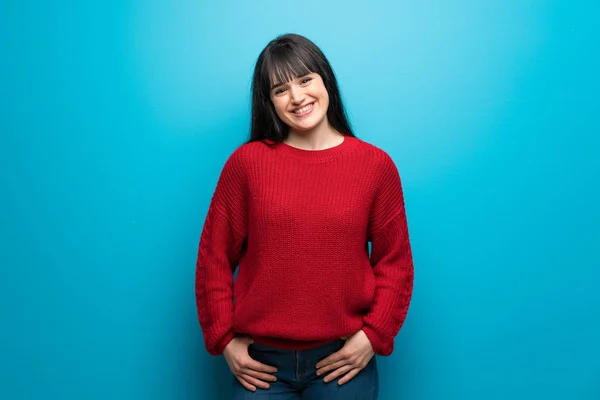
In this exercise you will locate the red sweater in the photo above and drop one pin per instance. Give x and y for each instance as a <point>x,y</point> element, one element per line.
<point>298,223</point>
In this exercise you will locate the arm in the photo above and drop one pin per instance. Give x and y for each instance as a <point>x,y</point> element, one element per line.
<point>221,245</point>
<point>391,258</point>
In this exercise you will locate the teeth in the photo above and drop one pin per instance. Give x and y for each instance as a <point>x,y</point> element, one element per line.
<point>303,109</point>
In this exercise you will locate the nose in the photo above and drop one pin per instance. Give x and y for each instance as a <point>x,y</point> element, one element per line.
<point>296,95</point>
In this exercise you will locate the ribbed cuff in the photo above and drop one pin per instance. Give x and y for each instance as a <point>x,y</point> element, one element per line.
<point>223,343</point>
<point>379,347</point>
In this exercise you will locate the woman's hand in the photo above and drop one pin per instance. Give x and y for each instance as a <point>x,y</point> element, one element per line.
<point>349,360</point>
<point>249,372</point>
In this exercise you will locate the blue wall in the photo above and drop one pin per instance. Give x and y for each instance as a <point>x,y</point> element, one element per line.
<point>117,116</point>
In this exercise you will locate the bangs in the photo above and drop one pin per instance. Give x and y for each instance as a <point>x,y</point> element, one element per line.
<point>286,64</point>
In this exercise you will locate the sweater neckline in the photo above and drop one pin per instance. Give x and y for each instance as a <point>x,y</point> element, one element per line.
<point>316,155</point>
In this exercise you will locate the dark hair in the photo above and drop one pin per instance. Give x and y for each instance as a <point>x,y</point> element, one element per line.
<point>287,57</point>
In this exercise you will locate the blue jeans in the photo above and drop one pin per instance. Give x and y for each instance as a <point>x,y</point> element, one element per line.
<point>297,378</point>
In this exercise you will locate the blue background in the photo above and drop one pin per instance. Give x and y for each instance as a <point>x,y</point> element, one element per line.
<point>117,116</point>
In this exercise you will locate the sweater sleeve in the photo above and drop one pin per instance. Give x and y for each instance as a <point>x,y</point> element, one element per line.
<point>391,258</point>
<point>221,245</point>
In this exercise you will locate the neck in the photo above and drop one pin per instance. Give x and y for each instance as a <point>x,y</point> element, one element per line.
<point>321,137</point>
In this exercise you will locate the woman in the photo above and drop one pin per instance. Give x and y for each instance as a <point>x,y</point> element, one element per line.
<point>295,207</point>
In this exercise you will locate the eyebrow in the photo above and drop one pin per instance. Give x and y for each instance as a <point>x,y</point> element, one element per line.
<point>298,77</point>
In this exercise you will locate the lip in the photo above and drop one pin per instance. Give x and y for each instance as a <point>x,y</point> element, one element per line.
<point>307,112</point>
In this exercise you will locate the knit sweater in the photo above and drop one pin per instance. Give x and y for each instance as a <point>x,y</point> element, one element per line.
<point>297,223</point>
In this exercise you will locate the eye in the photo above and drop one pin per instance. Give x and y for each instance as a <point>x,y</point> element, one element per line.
<point>306,80</point>
<point>278,91</point>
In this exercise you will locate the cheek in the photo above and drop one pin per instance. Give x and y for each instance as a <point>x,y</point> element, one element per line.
<point>279,110</point>
<point>325,101</point>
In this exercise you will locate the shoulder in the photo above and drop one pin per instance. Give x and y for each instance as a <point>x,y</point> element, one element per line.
<point>242,155</point>
<point>376,157</point>
<point>243,159</point>
<point>245,153</point>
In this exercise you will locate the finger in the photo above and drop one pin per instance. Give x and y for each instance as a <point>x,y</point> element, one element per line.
<point>333,358</point>
<point>246,384</point>
<point>259,375</point>
<point>331,367</point>
<point>256,382</point>
<point>337,373</point>
<point>349,376</point>
<point>258,366</point>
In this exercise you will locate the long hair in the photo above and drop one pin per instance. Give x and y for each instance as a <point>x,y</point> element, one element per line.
<point>285,58</point>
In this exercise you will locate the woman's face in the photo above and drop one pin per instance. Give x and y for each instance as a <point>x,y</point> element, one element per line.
<point>302,102</point>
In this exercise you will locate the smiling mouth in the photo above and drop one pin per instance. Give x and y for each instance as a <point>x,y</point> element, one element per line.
<point>304,110</point>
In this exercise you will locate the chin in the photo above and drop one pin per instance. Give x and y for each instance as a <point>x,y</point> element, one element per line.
<point>307,127</point>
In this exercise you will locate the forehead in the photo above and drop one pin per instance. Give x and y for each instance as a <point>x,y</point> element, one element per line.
<point>284,81</point>
<point>286,70</point>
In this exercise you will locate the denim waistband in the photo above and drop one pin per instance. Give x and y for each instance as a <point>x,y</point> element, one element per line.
<point>327,345</point>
